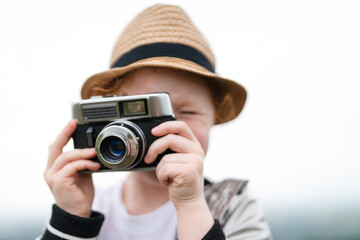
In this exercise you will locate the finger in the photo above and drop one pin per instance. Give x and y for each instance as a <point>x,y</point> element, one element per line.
<point>75,155</point>
<point>174,127</point>
<point>73,168</point>
<point>166,160</point>
<point>193,163</point>
<point>61,140</point>
<point>173,173</point>
<point>163,174</point>
<point>174,142</point>
<point>182,158</point>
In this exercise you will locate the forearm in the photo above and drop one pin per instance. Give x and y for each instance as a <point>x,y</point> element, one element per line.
<point>63,225</point>
<point>196,222</point>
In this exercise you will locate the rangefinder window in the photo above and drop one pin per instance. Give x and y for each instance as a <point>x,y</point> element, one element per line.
<point>134,108</point>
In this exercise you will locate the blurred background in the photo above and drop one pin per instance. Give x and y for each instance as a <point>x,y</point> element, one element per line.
<point>297,140</point>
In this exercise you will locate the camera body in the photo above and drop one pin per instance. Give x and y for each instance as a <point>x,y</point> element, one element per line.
<point>119,128</point>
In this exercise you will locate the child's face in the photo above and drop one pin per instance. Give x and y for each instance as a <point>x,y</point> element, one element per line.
<point>190,97</point>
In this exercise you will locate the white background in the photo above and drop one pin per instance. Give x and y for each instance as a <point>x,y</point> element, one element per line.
<point>297,140</point>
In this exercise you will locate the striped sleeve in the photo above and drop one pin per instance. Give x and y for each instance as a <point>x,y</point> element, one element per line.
<point>63,225</point>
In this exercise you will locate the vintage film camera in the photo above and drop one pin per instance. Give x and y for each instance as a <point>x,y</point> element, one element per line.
<point>119,128</point>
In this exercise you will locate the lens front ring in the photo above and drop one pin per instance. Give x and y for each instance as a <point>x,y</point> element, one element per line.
<point>129,135</point>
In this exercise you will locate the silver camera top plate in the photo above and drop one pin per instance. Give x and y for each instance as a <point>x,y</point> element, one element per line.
<point>122,107</point>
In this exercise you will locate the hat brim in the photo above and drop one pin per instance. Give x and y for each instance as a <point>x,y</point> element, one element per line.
<point>236,93</point>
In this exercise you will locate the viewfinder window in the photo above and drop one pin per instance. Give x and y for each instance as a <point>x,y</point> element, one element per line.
<point>134,108</point>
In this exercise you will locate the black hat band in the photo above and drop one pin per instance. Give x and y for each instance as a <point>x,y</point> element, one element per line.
<point>164,50</point>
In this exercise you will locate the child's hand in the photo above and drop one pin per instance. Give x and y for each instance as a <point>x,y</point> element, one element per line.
<point>182,171</point>
<point>73,191</point>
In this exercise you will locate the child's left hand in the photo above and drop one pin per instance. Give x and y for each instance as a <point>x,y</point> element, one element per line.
<point>182,171</point>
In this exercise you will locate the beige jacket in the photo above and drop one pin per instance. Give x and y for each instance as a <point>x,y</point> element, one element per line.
<point>240,215</point>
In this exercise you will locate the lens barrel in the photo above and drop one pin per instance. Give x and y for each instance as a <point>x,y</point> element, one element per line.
<point>120,145</point>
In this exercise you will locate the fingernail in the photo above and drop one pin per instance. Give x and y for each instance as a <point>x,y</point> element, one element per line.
<point>73,121</point>
<point>155,130</point>
<point>91,150</point>
<point>71,125</point>
<point>146,159</point>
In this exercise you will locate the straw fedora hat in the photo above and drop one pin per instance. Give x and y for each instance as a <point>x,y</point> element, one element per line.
<point>164,36</point>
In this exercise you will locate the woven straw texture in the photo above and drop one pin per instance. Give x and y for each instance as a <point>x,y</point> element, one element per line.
<point>161,24</point>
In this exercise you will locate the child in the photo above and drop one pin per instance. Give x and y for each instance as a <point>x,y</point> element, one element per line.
<point>159,51</point>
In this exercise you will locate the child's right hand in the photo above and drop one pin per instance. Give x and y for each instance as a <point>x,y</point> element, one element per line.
<point>73,191</point>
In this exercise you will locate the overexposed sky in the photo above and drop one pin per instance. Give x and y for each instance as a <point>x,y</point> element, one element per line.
<point>297,140</point>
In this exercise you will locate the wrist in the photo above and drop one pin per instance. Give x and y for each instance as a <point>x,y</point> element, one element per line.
<point>194,219</point>
<point>80,212</point>
<point>197,208</point>
<point>189,204</point>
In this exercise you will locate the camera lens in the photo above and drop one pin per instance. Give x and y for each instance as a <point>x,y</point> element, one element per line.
<point>120,145</point>
<point>113,149</point>
<point>117,147</point>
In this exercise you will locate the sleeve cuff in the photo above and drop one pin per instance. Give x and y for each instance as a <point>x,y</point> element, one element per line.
<point>215,233</point>
<point>64,225</point>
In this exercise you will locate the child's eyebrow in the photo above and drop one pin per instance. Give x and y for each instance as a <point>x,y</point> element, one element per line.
<point>182,103</point>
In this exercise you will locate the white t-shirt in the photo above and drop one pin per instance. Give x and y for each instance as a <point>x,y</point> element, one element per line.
<point>119,224</point>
